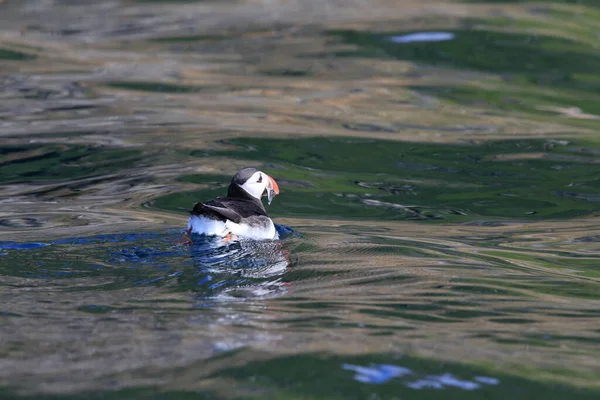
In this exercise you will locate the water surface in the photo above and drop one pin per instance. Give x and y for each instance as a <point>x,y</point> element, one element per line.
<point>439,169</point>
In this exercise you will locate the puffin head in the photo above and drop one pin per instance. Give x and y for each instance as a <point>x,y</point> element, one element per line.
<point>256,183</point>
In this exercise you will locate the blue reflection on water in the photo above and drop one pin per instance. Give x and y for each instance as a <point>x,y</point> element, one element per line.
<point>423,37</point>
<point>209,266</point>
<point>377,373</point>
<point>21,246</point>
<point>381,373</point>
<point>284,232</point>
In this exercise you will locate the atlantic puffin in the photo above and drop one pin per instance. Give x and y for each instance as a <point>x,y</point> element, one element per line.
<point>241,214</point>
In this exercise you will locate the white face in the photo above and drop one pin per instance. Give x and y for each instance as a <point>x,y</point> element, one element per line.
<point>257,184</point>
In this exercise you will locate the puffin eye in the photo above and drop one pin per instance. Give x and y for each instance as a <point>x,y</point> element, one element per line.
<point>259,179</point>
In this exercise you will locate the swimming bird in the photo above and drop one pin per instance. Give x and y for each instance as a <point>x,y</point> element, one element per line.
<point>241,214</point>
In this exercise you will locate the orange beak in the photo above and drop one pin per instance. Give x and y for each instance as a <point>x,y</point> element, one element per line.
<point>274,186</point>
<point>272,189</point>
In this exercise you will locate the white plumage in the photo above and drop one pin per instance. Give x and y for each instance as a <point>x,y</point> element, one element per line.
<point>265,229</point>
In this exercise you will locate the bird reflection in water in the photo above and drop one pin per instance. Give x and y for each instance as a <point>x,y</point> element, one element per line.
<point>242,268</point>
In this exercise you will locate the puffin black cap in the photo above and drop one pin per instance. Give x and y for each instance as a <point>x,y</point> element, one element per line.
<point>243,175</point>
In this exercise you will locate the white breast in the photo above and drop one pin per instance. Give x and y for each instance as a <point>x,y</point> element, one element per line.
<point>211,227</point>
<point>262,231</point>
<point>206,226</point>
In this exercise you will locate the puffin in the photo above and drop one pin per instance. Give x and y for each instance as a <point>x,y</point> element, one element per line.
<point>241,214</point>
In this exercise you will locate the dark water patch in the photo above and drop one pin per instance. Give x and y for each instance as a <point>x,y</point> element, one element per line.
<point>154,87</point>
<point>461,182</point>
<point>483,290</point>
<point>12,55</point>
<point>23,87</point>
<point>312,319</point>
<point>441,293</point>
<point>487,223</point>
<point>454,303</point>
<point>449,129</point>
<point>369,128</point>
<point>581,289</point>
<point>525,342</point>
<point>77,107</point>
<point>580,196</point>
<point>393,314</point>
<point>385,376</point>
<point>287,73</point>
<point>383,333</point>
<point>532,284</point>
<point>185,39</point>
<point>376,328</point>
<point>553,338</point>
<point>586,239</point>
<point>542,58</point>
<point>316,305</point>
<point>398,248</point>
<point>580,266</point>
<point>95,309</point>
<point>381,280</point>
<point>413,307</point>
<point>538,76</point>
<point>522,98</point>
<point>468,314</point>
<point>9,314</point>
<point>515,310</point>
<point>586,314</point>
<point>209,179</point>
<point>37,163</point>
<point>305,273</point>
<point>512,320</point>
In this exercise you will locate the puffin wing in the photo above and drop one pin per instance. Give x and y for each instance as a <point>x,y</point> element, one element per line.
<point>228,208</point>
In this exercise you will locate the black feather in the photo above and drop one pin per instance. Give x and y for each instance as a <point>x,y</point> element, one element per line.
<point>229,208</point>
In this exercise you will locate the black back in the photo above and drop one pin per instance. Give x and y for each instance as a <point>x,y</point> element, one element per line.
<point>237,205</point>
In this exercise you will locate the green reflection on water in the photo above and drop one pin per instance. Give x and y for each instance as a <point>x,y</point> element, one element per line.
<point>6,54</point>
<point>153,87</point>
<point>542,74</point>
<point>360,178</point>
<point>288,73</point>
<point>56,162</point>
<point>302,377</point>
<point>582,267</point>
<point>328,376</point>
<point>543,58</point>
<point>521,98</point>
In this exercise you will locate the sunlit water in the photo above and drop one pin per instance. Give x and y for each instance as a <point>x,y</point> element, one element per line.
<point>439,169</point>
